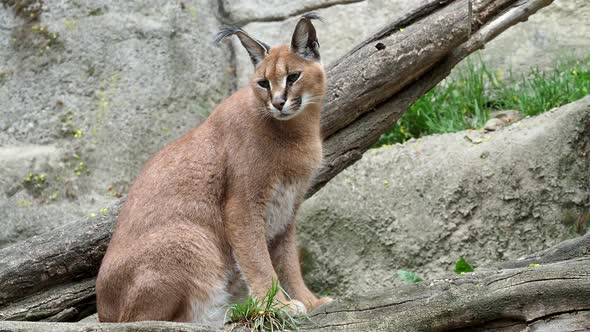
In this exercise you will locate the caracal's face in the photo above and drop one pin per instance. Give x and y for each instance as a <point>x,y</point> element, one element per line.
<point>288,83</point>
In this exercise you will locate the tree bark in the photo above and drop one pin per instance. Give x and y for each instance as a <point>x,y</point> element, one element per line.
<point>50,277</point>
<point>548,295</point>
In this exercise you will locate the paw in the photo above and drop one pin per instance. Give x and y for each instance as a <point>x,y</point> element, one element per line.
<point>295,308</point>
<point>322,301</point>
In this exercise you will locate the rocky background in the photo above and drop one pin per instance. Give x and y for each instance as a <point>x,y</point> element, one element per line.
<point>88,90</point>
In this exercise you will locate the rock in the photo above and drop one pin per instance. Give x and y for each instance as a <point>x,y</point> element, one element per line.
<point>102,83</point>
<point>508,116</point>
<point>494,124</point>
<point>557,33</point>
<point>501,119</point>
<point>421,205</point>
<point>258,10</point>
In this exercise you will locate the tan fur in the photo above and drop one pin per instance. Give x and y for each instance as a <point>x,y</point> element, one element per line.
<point>196,219</point>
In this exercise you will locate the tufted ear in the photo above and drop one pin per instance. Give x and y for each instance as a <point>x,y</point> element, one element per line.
<point>256,49</point>
<point>304,41</point>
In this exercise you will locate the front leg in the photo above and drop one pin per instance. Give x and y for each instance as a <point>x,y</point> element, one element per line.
<point>285,258</point>
<point>245,232</point>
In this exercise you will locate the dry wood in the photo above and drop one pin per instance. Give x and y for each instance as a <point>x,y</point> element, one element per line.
<point>50,277</point>
<point>546,296</point>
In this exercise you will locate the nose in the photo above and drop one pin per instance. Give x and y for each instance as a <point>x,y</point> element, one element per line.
<point>278,102</point>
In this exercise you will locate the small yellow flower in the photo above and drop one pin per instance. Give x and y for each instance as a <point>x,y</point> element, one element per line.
<point>385,182</point>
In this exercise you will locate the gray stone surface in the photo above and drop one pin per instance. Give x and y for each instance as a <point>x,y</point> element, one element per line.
<point>421,205</point>
<point>118,80</point>
<point>240,12</point>
<point>558,32</point>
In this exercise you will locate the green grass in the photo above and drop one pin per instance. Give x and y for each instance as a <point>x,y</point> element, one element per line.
<point>266,315</point>
<point>465,100</point>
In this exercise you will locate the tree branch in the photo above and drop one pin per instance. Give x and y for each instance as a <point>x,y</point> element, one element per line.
<point>551,296</point>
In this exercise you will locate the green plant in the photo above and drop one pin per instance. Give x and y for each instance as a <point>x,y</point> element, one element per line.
<point>267,314</point>
<point>465,100</point>
<point>463,267</point>
<point>409,277</point>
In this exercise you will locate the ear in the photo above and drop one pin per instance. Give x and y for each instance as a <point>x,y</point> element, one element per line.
<point>304,41</point>
<point>256,49</point>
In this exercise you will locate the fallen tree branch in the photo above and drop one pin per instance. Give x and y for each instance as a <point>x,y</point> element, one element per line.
<point>513,300</point>
<point>49,277</point>
<point>552,296</point>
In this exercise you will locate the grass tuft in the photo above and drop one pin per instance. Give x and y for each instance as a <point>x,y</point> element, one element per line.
<point>266,315</point>
<point>465,100</point>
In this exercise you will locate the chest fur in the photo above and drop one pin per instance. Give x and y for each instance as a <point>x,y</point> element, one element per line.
<point>280,208</point>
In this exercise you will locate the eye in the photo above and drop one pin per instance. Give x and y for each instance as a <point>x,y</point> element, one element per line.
<point>264,84</point>
<point>293,77</point>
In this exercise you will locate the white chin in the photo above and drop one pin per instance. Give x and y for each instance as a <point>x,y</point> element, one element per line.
<point>285,117</point>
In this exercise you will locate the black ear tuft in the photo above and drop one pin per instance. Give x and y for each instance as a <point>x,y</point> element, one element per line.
<point>304,41</point>
<point>224,32</point>
<point>257,50</point>
<point>313,16</point>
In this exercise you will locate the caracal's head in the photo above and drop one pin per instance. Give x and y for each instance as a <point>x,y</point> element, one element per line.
<point>287,78</point>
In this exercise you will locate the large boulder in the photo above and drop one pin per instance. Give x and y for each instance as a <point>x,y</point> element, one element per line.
<point>421,205</point>
<point>89,90</point>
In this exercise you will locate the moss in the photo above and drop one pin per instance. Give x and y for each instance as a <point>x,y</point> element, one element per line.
<point>35,184</point>
<point>29,10</point>
<point>34,36</point>
<point>3,76</point>
<point>23,203</point>
<point>67,126</point>
<point>105,95</point>
<point>76,164</point>
<point>70,24</point>
<point>569,218</point>
<point>96,12</point>
<point>90,71</point>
